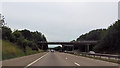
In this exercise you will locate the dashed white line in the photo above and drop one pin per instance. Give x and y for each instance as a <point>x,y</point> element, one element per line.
<point>76,64</point>
<point>66,58</point>
<point>35,61</point>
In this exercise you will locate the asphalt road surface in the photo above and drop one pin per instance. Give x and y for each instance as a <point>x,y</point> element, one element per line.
<point>55,59</point>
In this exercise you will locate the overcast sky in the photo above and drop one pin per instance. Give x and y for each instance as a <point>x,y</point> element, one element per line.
<point>60,21</point>
<point>59,0</point>
<point>119,10</point>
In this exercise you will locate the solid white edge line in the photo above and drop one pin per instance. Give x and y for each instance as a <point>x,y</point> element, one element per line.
<point>35,61</point>
<point>76,64</point>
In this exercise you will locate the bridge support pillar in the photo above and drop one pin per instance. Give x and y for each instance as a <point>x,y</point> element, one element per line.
<point>88,47</point>
<point>62,47</point>
<point>73,47</point>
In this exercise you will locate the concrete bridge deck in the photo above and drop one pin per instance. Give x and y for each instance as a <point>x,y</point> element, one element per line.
<point>71,43</point>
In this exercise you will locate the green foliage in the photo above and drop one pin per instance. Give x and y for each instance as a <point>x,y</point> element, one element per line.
<point>25,41</point>
<point>17,34</point>
<point>37,36</point>
<point>111,42</point>
<point>12,38</point>
<point>6,32</point>
<point>108,39</point>
<point>94,35</point>
<point>27,34</point>
<point>11,50</point>
<point>24,38</point>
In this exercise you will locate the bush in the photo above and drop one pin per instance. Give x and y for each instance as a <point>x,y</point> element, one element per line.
<point>6,33</point>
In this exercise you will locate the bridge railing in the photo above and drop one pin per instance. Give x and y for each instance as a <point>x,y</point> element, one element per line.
<point>76,42</point>
<point>106,56</point>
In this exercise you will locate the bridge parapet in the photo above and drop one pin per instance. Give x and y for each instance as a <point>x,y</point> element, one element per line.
<point>72,43</point>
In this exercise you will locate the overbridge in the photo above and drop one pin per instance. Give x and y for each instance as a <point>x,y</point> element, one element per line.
<point>70,43</point>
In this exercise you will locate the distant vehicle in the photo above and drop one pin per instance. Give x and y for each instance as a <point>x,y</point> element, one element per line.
<point>52,50</point>
<point>91,52</point>
<point>65,51</point>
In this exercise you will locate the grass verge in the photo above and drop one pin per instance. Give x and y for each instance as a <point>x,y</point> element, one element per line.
<point>11,50</point>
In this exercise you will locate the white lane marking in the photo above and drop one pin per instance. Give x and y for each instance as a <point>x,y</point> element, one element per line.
<point>35,61</point>
<point>76,64</point>
<point>66,58</point>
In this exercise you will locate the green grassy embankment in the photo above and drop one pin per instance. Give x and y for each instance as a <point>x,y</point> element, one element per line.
<point>11,50</point>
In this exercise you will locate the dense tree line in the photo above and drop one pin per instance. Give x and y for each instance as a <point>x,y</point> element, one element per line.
<point>111,42</point>
<point>94,35</point>
<point>24,38</point>
<point>108,39</point>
